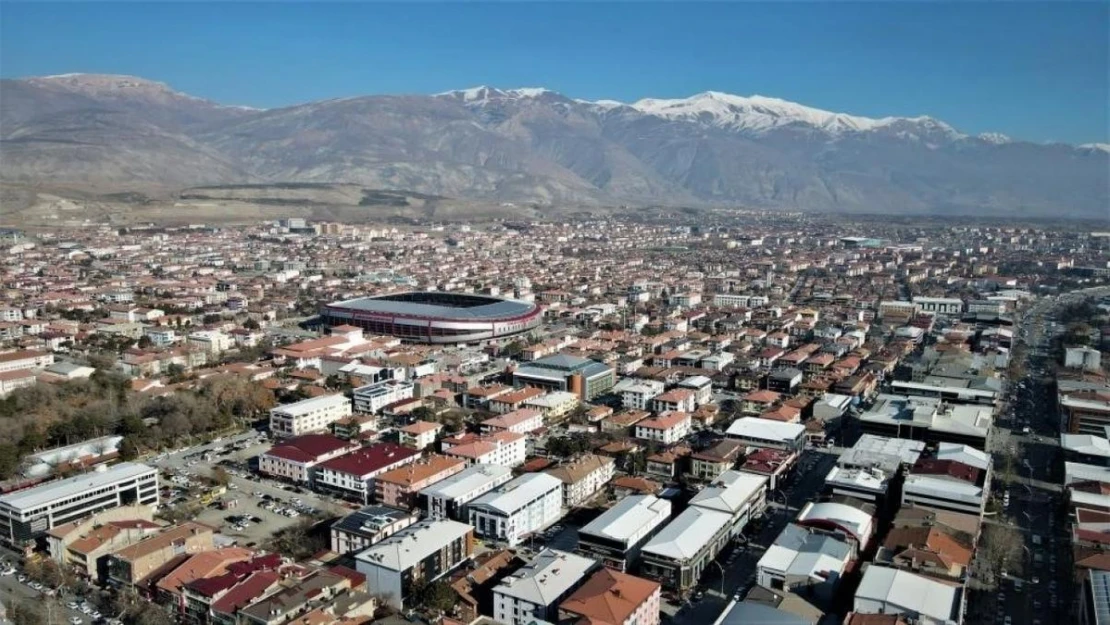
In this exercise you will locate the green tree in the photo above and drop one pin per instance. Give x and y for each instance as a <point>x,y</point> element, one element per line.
<point>9,459</point>
<point>437,597</point>
<point>423,413</point>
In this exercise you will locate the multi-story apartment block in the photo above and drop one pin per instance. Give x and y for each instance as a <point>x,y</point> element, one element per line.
<point>503,448</point>
<point>535,591</point>
<point>583,478</point>
<point>295,459</point>
<point>370,525</point>
<point>616,537</point>
<point>447,498</point>
<point>351,476</point>
<point>398,487</point>
<point>667,428</point>
<point>522,506</point>
<point>520,421</point>
<point>370,399</point>
<point>308,416</point>
<point>613,598</point>
<point>419,435</point>
<point>416,555</point>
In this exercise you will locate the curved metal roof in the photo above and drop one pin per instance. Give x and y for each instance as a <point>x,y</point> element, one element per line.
<point>494,308</point>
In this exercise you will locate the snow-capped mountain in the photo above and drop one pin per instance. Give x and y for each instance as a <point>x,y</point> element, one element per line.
<point>539,146</point>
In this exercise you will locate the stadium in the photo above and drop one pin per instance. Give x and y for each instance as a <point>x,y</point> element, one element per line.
<point>436,317</point>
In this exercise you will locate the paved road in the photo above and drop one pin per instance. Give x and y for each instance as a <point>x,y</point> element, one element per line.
<point>736,571</point>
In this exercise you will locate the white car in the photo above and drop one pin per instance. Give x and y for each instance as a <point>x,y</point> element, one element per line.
<point>76,620</point>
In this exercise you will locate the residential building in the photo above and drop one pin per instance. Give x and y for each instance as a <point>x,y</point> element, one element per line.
<point>702,387</point>
<point>521,506</point>
<point>613,598</point>
<point>368,526</point>
<point>370,399</point>
<point>25,359</point>
<point>419,435</point>
<point>555,406</point>
<point>1085,358</point>
<point>210,342</point>
<point>130,565</point>
<point>933,551</point>
<point>513,400</point>
<point>351,476</point>
<point>679,553</point>
<point>308,416</point>
<point>667,428</point>
<point>19,378</point>
<point>416,555</point>
<point>83,545</point>
<point>502,448</point>
<point>616,537</point>
<point>28,514</point>
<point>295,459</point>
<point>520,421</point>
<point>774,464</point>
<point>636,393</point>
<point>583,478</point>
<point>674,400</point>
<point>535,591</point>
<point>448,498</point>
<point>707,465</point>
<point>562,372</point>
<point>398,487</point>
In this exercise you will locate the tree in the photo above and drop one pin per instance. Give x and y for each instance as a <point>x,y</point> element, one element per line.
<point>220,476</point>
<point>436,597</point>
<point>145,342</point>
<point>10,459</point>
<point>299,541</point>
<point>252,324</point>
<point>513,349</point>
<point>26,613</point>
<point>423,413</point>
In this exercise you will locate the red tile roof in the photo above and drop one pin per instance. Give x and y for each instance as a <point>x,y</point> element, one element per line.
<point>308,448</point>
<point>370,459</point>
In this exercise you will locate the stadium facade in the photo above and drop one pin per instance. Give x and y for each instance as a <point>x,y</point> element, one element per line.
<point>436,316</point>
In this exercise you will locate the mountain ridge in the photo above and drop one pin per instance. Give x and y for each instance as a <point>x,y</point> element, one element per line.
<point>542,147</point>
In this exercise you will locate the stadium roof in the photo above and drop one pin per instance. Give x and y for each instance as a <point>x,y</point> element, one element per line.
<point>494,308</point>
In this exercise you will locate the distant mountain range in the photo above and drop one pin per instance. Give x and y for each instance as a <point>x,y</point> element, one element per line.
<point>538,146</point>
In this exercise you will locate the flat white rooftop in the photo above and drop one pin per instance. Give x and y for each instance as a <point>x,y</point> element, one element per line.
<point>468,480</point>
<point>630,519</point>
<point>69,487</point>
<point>413,544</point>
<point>754,428</point>
<point>518,493</point>
<point>683,537</point>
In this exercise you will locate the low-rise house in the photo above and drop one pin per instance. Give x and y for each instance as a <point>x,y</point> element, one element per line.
<point>132,564</point>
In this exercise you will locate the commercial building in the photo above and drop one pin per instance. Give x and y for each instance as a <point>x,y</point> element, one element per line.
<point>947,485</point>
<point>708,464</point>
<point>850,524</point>
<point>368,526</point>
<point>1084,358</point>
<point>928,419</point>
<point>758,433</point>
<point>535,591</point>
<point>416,555</point>
<point>927,601</point>
<point>295,459</point>
<point>613,598</point>
<point>398,487</point>
<point>370,399</point>
<point>351,476</point>
<point>583,478</point>
<point>678,555</point>
<point>1084,411</point>
<point>308,415</point>
<point>616,537</point>
<point>585,378</point>
<point>742,496</point>
<point>27,514</point>
<point>521,506</point>
<point>447,498</point>
<point>940,305</point>
<point>804,562</point>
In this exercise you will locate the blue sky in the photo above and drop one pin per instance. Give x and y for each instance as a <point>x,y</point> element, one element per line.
<point>1037,71</point>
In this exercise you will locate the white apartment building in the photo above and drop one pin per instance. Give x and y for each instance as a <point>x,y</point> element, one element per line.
<point>940,305</point>
<point>519,421</point>
<point>636,394</point>
<point>210,341</point>
<point>701,386</point>
<point>27,514</point>
<point>731,300</point>
<point>506,449</point>
<point>667,428</point>
<point>308,415</point>
<point>25,359</point>
<point>419,435</point>
<point>11,380</point>
<point>674,400</point>
<point>554,405</point>
<point>370,399</point>
<point>535,591</point>
<point>524,505</point>
<point>447,499</point>
<point>161,337</point>
<point>583,478</point>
